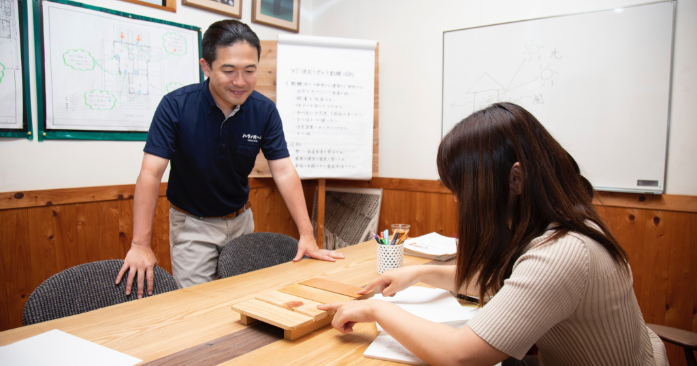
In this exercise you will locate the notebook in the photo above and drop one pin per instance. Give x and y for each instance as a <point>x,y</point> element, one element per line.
<point>431,304</point>
<point>431,246</point>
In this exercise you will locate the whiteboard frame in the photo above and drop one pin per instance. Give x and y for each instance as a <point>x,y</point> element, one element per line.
<point>670,86</point>
<point>52,134</point>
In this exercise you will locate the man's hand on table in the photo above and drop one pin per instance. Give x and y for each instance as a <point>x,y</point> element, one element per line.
<point>139,260</point>
<point>308,246</point>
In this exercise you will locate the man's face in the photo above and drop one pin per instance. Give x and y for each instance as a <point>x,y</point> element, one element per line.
<point>233,74</point>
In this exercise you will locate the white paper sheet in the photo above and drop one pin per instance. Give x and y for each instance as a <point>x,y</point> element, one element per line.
<point>58,348</point>
<point>108,72</point>
<point>431,304</point>
<point>325,96</point>
<point>433,243</point>
<point>384,347</point>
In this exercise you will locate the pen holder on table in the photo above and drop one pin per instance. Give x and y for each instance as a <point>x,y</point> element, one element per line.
<point>390,257</point>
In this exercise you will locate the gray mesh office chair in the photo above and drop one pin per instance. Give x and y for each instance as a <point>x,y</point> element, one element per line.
<point>255,251</point>
<point>84,288</point>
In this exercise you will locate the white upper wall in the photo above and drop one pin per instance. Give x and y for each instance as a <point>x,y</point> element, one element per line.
<point>51,164</point>
<point>411,38</point>
<point>410,34</point>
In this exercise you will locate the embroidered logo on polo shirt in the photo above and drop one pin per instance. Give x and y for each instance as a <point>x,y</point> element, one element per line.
<point>251,138</point>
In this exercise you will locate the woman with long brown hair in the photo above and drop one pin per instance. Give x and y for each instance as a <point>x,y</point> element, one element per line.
<point>531,246</point>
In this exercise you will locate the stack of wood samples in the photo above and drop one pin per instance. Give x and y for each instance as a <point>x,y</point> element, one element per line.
<point>294,308</point>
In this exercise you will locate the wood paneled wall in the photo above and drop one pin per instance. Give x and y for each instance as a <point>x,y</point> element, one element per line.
<point>49,231</point>
<point>42,233</point>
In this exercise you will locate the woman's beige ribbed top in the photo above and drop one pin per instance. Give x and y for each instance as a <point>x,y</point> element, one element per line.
<point>571,299</point>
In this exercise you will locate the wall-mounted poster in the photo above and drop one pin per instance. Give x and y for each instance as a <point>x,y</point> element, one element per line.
<point>15,121</point>
<point>111,78</point>
<point>325,94</point>
<point>231,8</point>
<point>284,14</point>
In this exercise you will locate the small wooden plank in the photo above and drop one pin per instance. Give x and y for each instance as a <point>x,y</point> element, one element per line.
<point>311,293</point>
<point>336,287</point>
<point>246,320</point>
<point>293,303</point>
<point>299,332</point>
<point>272,314</point>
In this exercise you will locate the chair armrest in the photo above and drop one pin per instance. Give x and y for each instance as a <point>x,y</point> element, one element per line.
<point>682,338</point>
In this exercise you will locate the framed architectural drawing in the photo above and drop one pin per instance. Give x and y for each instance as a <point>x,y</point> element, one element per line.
<point>283,14</point>
<point>231,8</point>
<point>169,5</point>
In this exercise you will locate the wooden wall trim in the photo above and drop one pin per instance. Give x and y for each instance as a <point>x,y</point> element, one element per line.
<point>398,184</point>
<point>51,197</point>
<point>664,202</point>
<point>24,199</point>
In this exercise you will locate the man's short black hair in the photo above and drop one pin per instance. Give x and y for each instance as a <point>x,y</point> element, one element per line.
<point>226,33</point>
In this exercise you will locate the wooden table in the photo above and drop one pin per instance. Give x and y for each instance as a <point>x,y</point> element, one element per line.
<point>195,325</point>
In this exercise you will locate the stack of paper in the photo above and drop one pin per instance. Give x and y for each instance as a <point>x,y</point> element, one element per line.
<point>58,348</point>
<point>432,246</point>
<point>431,304</point>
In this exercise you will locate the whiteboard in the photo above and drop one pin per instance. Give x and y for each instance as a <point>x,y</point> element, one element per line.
<point>599,82</point>
<point>11,91</point>
<point>106,72</point>
<point>325,95</point>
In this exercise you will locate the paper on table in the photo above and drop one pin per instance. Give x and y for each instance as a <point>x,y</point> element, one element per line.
<point>432,243</point>
<point>435,305</point>
<point>57,348</point>
<point>384,347</point>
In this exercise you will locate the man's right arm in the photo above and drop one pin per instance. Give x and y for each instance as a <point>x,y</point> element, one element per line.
<point>140,259</point>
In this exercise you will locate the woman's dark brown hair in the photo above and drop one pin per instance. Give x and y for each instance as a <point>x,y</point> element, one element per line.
<point>474,162</point>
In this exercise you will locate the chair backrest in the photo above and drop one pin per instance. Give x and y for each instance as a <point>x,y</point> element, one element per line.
<point>86,287</point>
<point>255,251</point>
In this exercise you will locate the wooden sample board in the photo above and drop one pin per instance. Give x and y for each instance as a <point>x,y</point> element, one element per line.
<point>294,308</point>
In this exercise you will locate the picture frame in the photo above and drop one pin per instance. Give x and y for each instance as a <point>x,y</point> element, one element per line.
<point>231,8</point>
<point>168,5</point>
<point>282,14</point>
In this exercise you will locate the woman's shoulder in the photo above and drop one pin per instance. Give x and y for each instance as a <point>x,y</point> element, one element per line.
<point>583,249</point>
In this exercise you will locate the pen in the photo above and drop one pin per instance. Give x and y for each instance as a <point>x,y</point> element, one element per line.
<point>376,238</point>
<point>394,238</point>
<point>402,239</point>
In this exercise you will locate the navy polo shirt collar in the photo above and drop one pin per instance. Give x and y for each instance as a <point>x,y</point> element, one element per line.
<point>210,102</point>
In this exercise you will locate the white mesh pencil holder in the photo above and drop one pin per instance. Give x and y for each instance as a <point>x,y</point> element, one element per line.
<point>390,257</point>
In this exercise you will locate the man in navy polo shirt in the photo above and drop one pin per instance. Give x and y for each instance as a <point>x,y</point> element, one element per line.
<point>211,134</point>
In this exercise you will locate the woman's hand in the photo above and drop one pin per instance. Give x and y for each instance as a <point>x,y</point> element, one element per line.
<point>351,312</point>
<point>393,281</point>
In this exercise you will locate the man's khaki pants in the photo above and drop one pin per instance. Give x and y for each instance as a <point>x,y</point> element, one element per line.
<point>196,242</point>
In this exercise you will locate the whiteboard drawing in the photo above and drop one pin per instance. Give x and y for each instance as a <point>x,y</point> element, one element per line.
<point>599,83</point>
<point>115,77</point>
<point>10,66</point>
<point>535,71</point>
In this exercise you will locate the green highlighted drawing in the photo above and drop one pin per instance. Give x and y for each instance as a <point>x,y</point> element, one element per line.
<point>174,44</point>
<point>127,70</point>
<point>100,100</point>
<point>2,72</point>
<point>80,60</point>
<point>173,86</point>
